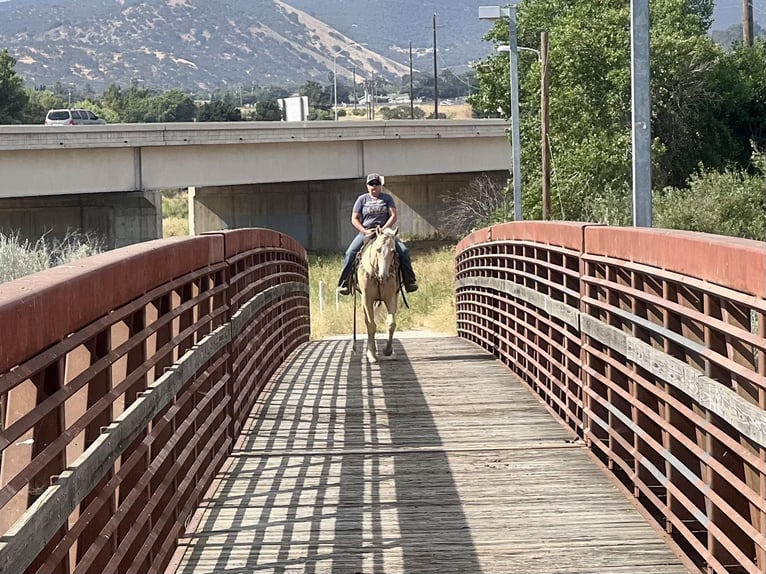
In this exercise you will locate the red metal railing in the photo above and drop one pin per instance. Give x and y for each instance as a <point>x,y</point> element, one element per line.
<point>124,379</point>
<point>649,345</point>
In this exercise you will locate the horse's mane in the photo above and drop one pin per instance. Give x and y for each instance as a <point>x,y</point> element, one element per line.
<point>378,257</point>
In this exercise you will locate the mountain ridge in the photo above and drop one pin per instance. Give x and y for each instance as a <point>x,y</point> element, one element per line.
<point>195,45</point>
<point>202,46</point>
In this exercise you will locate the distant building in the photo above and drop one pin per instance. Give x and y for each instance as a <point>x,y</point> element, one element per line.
<point>294,109</point>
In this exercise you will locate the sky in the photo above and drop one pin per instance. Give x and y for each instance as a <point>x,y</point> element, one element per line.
<point>729,12</point>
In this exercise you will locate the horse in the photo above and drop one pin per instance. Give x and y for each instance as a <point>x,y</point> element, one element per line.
<point>377,278</point>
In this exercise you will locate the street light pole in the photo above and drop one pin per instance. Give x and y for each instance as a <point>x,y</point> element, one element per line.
<point>544,124</point>
<point>515,137</point>
<point>641,113</point>
<point>335,74</point>
<point>495,13</point>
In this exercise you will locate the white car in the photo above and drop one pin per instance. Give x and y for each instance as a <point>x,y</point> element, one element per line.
<point>74,117</point>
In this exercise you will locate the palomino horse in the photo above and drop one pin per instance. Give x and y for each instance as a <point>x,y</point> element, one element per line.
<point>377,276</point>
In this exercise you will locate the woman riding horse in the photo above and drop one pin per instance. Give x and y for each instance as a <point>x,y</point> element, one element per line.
<point>371,210</point>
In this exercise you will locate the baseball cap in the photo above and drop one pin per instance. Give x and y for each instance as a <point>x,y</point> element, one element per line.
<point>374,177</point>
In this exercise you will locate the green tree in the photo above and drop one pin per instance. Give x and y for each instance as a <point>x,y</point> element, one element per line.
<point>38,104</point>
<point>112,97</point>
<point>97,107</point>
<point>13,97</point>
<point>173,106</point>
<point>740,108</point>
<point>589,68</point>
<point>320,97</point>
<point>218,111</point>
<point>727,203</point>
<point>268,111</point>
<point>401,113</point>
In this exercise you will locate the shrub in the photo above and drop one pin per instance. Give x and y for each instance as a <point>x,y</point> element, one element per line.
<point>727,203</point>
<point>484,202</point>
<point>20,257</point>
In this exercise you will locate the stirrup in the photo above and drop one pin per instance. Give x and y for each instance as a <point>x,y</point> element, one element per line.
<point>344,290</point>
<point>411,287</point>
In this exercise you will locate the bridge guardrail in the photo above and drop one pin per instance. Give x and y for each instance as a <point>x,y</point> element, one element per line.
<point>125,379</point>
<point>648,344</point>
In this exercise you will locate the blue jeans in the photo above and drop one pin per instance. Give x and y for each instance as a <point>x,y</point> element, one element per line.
<point>356,246</point>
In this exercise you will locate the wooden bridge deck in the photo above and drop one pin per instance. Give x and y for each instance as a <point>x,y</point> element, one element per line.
<point>435,460</point>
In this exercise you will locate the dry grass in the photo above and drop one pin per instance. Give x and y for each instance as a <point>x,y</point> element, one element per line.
<point>175,213</point>
<point>432,307</point>
<point>453,112</point>
<point>20,257</point>
<point>175,226</point>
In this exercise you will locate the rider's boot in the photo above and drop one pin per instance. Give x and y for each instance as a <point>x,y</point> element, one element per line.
<point>343,287</point>
<point>410,283</point>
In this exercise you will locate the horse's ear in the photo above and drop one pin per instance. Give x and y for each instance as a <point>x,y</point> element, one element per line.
<point>378,230</point>
<point>396,231</point>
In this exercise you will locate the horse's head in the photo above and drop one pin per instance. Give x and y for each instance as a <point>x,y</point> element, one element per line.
<point>385,248</point>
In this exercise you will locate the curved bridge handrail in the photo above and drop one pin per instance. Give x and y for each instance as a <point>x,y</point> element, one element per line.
<point>649,344</point>
<point>118,410</point>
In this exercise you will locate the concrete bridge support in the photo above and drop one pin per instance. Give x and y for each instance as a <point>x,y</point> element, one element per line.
<point>118,219</point>
<point>317,213</point>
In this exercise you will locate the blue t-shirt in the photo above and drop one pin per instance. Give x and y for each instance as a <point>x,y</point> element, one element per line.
<point>374,210</point>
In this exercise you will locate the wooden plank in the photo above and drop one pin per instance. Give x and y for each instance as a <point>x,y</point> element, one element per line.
<point>435,460</point>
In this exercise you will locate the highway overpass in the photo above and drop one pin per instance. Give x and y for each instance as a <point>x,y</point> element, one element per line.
<point>299,178</point>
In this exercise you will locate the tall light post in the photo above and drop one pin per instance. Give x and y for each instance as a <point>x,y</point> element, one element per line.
<point>337,53</point>
<point>542,57</point>
<point>495,13</point>
<point>641,104</point>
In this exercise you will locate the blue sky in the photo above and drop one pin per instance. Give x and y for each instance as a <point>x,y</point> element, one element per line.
<point>729,12</point>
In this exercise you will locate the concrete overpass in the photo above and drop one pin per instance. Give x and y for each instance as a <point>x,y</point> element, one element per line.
<point>299,178</point>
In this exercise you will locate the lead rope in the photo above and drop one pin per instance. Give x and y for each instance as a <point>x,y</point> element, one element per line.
<point>353,344</point>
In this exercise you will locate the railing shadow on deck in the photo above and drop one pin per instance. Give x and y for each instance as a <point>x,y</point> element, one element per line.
<point>317,454</point>
<point>427,544</point>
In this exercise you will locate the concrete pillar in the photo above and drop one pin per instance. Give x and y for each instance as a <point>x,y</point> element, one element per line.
<point>318,213</point>
<point>118,219</point>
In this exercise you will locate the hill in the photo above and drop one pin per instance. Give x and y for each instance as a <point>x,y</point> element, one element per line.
<point>200,45</point>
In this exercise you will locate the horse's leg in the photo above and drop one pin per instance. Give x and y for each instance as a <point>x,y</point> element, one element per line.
<point>391,303</point>
<point>369,320</point>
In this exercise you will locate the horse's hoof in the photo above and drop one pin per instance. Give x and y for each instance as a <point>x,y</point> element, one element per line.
<point>371,358</point>
<point>388,351</point>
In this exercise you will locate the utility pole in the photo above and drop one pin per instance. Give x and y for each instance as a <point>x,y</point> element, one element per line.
<point>495,13</point>
<point>412,103</point>
<point>513,60</point>
<point>641,113</point>
<point>374,96</point>
<point>545,123</point>
<point>436,78</point>
<point>353,71</point>
<point>367,94</point>
<point>747,23</point>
